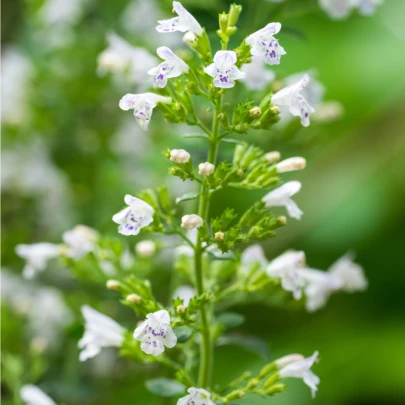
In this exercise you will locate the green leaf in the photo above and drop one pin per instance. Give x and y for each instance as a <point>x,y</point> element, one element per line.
<point>235,141</point>
<point>250,343</point>
<point>165,387</point>
<point>183,333</point>
<point>187,197</point>
<point>231,319</point>
<point>196,136</point>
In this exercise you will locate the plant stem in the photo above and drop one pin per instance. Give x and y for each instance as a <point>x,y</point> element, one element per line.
<point>206,355</point>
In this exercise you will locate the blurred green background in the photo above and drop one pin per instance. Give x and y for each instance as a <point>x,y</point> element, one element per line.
<point>70,154</point>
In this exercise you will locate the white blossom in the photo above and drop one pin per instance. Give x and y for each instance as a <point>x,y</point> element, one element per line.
<point>137,215</point>
<point>257,77</point>
<point>185,292</point>
<point>206,168</point>
<point>100,331</point>
<point>291,97</point>
<point>337,9</point>
<point>36,256</point>
<point>155,333</point>
<point>172,66</point>
<point>291,164</point>
<point>264,45</point>
<point>285,267</point>
<point>191,221</point>
<point>286,360</point>
<point>367,7</point>
<point>32,395</point>
<point>80,241</point>
<point>184,22</point>
<point>281,197</point>
<point>349,273</point>
<point>145,248</point>
<point>253,255</point>
<point>197,396</point>
<point>143,105</point>
<point>302,369</point>
<point>179,156</point>
<point>272,157</point>
<point>223,70</point>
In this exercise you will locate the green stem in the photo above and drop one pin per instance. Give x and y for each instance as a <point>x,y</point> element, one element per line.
<point>206,356</point>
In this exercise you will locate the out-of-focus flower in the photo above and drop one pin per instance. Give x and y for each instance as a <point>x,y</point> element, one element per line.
<point>61,12</point>
<point>291,164</point>
<point>184,22</point>
<point>223,70</point>
<point>172,66</point>
<point>273,157</point>
<point>302,369</point>
<point>80,241</point>
<point>37,256</point>
<point>257,77</point>
<point>253,255</point>
<point>179,156</point>
<point>191,221</point>
<point>206,168</point>
<point>281,197</point>
<point>291,98</point>
<point>337,9</point>
<point>264,45</point>
<point>145,248</point>
<point>197,396</point>
<point>285,268</point>
<point>367,7</point>
<point>155,333</point>
<point>143,105</point>
<point>328,111</point>
<point>286,360</point>
<point>32,395</point>
<point>137,215</point>
<point>100,331</point>
<point>184,292</point>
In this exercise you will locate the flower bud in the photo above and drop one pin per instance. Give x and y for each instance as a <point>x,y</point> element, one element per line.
<point>189,38</point>
<point>206,168</point>
<point>291,164</point>
<point>282,220</point>
<point>234,13</point>
<point>223,22</point>
<point>219,236</point>
<point>286,360</point>
<point>255,112</point>
<point>191,221</point>
<point>275,389</point>
<point>273,157</point>
<point>271,380</point>
<point>134,299</point>
<point>179,156</point>
<point>253,383</point>
<point>145,248</point>
<point>237,394</point>
<point>113,285</point>
<point>275,110</point>
<point>181,309</point>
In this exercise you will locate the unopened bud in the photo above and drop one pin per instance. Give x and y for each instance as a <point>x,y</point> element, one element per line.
<point>191,221</point>
<point>134,299</point>
<point>239,172</point>
<point>223,22</point>
<point>255,112</point>
<point>286,360</point>
<point>219,236</point>
<point>113,285</point>
<point>282,220</point>
<point>234,13</point>
<point>291,164</point>
<point>181,309</point>
<point>271,380</point>
<point>237,394</point>
<point>189,38</point>
<point>273,157</point>
<point>275,389</point>
<point>179,156</point>
<point>206,168</point>
<point>275,110</point>
<point>145,248</point>
<point>253,383</point>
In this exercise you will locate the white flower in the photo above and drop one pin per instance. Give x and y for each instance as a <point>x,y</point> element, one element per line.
<point>184,22</point>
<point>286,360</point>
<point>80,240</point>
<point>184,292</point>
<point>285,268</point>
<point>291,97</point>
<point>155,333</point>
<point>367,7</point>
<point>191,221</point>
<point>143,105</point>
<point>197,396</point>
<point>349,273</point>
<point>273,157</point>
<point>337,9</point>
<point>223,70</point>
<point>301,369</point>
<point>319,285</point>
<point>253,255</point>
<point>291,164</point>
<point>257,77</point>
<point>100,331</point>
<point>36,256</point>
<point>137,215</point>
<point>179,156</point>
<point>206,169</point>
<point>172,67</point>
<point>328,111</point>
<point>281,197</point>
<point>264,44</point>
<point>145,248</point>
<point>32,395</point>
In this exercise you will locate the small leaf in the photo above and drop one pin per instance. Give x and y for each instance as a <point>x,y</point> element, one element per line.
<point>231,319</point>
<point>253,344</point>
<point>165,387</point>
<point>187,197</point>
<point>183,333</point>
<point>228,140</point>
